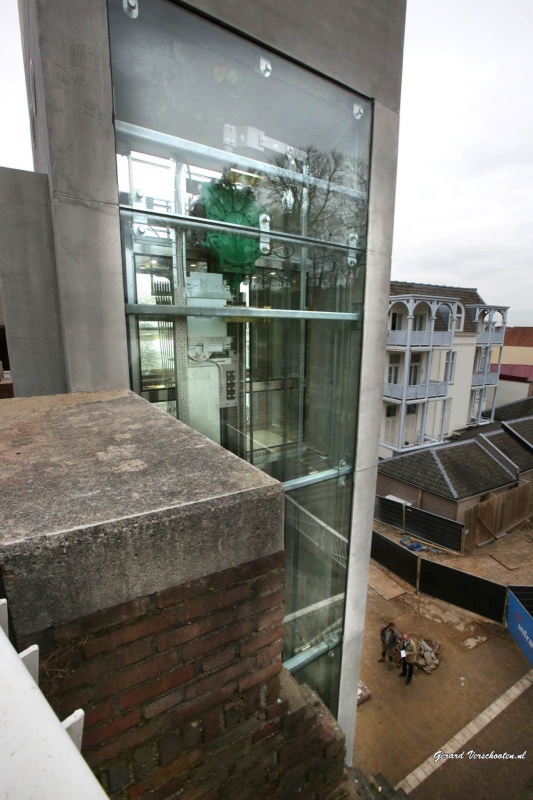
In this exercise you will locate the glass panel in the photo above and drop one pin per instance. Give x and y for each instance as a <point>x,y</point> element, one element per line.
<point>164,256</point>
<point>236,131</point>
<point>243,184</point>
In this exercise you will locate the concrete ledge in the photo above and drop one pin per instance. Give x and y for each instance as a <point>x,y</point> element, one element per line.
<point>105,498</point>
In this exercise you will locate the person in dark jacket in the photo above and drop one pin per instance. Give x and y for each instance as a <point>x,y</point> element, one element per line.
<point>408,653</point>
<point>388,637</point>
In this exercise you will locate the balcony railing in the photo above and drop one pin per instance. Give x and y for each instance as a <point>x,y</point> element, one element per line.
<point>396,391</point>
<point>490,337</point>
<point>480,379</point>
<point>419,339</point>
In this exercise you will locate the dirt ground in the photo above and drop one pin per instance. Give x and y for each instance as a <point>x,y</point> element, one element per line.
<point>401,726</point>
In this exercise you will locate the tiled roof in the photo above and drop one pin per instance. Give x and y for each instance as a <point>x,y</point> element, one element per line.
<point>476,430</point>
<point>518,337</point>
<point>515,410</point>
<point>511,448</point>
<point>523,428</point>
<point>467,297</point>
<point>455,471</point>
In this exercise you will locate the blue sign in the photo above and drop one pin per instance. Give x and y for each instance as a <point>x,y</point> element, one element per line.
<point>520,624</point>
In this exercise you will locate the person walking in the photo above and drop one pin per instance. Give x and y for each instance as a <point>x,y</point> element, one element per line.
<point>408,654</point>
<point>388,637</point>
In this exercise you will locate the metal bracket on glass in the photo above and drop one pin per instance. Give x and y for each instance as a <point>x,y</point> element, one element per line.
<point>342,475</point>
<point>131,8</point>
<point>352,252</point>
<point>264,239</point>
<point>248,136</point>
<point>358,111</point>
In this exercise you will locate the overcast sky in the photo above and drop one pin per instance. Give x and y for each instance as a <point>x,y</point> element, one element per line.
<point>464,205</point>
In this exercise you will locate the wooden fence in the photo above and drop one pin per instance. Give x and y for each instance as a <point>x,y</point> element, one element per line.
<point>501,513</point>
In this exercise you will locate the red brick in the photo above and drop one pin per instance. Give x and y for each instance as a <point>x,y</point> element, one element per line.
<point>260,676</point>
<point>273,690</point>
<point>130,654</point>
<point>261,640</point>
<point>219,678</point>
<point>270,618</point>
<point>163,704</point>
<point>266,730</point>
<point>180,716</point>
<point>218,659</point>
<point>129,633</point>
<point>99,713</point>
<point>160,685</point>
<point>204,605</point>
<point>136,674</point>
<point>68,702</point>
<point>270,582</point>
<point>102,619</point>
<point>269,653</point>
<point>252,569</point>
<point>194,629</point>
<point>212,725</point>
<point>214,641</point>
<point>87,673</point>
<point>110,730</point>
<point>253,607</point>
<point>122,744</point>
<point>178,594</point>
<point>171,770</point>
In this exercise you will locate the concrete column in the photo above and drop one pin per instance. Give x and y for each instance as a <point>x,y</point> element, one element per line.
<point>74,142</point>
<point>29,286</point>
<point>377,289</point>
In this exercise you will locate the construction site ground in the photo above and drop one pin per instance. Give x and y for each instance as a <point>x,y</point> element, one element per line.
<point>400,728</point>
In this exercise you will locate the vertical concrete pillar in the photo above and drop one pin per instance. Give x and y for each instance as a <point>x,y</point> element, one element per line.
<point>67,64</point>
<point>29,286</point>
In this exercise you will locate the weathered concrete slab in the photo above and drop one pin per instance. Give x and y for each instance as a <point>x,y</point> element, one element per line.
<point>104,498</point>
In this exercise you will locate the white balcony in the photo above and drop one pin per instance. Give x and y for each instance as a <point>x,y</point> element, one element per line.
<point>490,337</point>
<point>397,391</point>
<point>480,379</point>
<point>419,339</point>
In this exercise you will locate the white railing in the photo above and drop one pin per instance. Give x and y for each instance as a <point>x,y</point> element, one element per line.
<point>419,339</point>
<point>482,379</point>
<point>39,755</point>
<point>490,337</point>
<point>396,391</point>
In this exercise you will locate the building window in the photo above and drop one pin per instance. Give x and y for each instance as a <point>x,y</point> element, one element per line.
<point>481,359</point>
<point>390,411</point>
<point>396,321</point>
<point>415,369</point>
<point>411,408</point>
<point>394,368</point>
<point>449,367</point>
<point>459,318</point>
<point>419,322</point>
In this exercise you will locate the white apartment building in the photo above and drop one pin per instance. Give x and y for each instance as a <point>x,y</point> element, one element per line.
<point>440,341</point>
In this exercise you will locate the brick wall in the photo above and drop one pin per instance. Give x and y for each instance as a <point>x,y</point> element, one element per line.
<point>185,696</point>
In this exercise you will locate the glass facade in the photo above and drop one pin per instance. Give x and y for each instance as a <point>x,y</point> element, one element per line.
<point>243,182</point>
